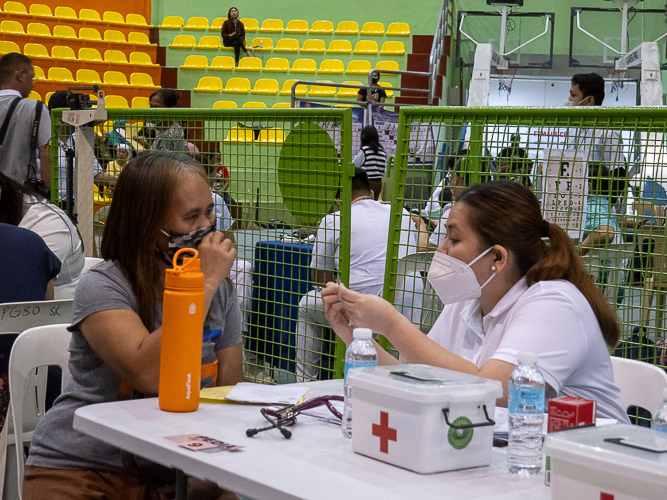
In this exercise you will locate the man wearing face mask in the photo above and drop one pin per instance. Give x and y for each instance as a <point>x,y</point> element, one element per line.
<point>604,146</point>
<point>378,95</point>
<point>505,291</point>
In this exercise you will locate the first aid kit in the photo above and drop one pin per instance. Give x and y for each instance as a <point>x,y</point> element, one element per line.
<point>423,418</point>
<point>615,462</point>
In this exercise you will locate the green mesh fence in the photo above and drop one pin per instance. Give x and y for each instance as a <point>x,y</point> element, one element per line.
<point>598,173</point>
<point>274,176</point>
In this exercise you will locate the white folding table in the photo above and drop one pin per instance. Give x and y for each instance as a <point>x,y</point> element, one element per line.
<point>316,463</point>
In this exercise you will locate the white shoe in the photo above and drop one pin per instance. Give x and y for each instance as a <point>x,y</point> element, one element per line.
<point>251,51</point>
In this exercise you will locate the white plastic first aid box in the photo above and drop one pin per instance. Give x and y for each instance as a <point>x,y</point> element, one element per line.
<point>615,462</point>
<point>423,418</point>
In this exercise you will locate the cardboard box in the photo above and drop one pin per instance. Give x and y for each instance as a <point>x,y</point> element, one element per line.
<point>568,411</point>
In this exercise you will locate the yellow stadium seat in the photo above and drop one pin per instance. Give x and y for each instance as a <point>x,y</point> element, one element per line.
<point>273,135</point>
<point>15,8</point>
<point>61,75</point>
<point>254,104</point>
<point>141,59</point>
<point>13,27</point>
<point>332,67</point>
<point>41,10</point>
<point>262,43</point>
<point>347,28</point>
<point>182,42</point>
<point>321,90</point>
<point>266,86</point>
<point>114,36</point>
<point>392,49</point>
<point>6,47</point>
<point>36,50</point>
<point>195,62</point>
<point>34,95</point>
<point>209,42</point>
<point>217,23</point>
<point>113,17</point>
<point>271,26</point>
<point>115,56</point>
<point>240,134</point>
<point>281,105</point>
<point>304,66</point>
<point>209,84</point>
<point>366,47</point>
<point>90,54</point>
<point>343,106</point>
<point>89,15</point>
<point>322,27</point>
<point>225,105</point>
<point>65,12</point>
<point>398,29</point>
<point>138,38</point>
<point>171,23</point>
<point>347,91</point>
<point>358,67</point>
<point>296,26</point>
<point>277,65</point>
<point>387,86</point>
<point>39,74</point>
<point>313,46</point>
<point>141,101</point>
<point>89,34</point>
<point>250,64</point>
<point>372,28</point>
<point>142,80</point>
<point>88,76</point>
<point>63,52</point>
<point>237,86</point>
<point>136,20</point>
<point>339,47</point>
<point>115,101</point>
<point>390,65</point>
<point>62,31</point>
<point>301,89</point>
<point>287,45</point>
<point>196,23</point>
<point>38,29</point>
<point>250,24</point>
<point>222,63</point>
<point>47,97</point>
<point>115,78</point>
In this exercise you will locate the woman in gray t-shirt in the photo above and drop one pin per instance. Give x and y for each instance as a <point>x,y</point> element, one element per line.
<point>161,203</point>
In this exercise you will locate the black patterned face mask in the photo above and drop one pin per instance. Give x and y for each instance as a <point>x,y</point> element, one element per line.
<point>185,240</point>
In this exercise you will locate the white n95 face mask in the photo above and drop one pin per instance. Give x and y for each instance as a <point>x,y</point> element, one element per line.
<point>454,280</point>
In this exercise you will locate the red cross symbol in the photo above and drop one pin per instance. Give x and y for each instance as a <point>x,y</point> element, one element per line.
<point>384,432</point>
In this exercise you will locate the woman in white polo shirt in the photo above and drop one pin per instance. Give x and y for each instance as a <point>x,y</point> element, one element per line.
<point>504,291</point>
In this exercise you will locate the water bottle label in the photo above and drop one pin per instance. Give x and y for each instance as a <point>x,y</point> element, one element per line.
<point>525,400</point>
<point>360,363</point>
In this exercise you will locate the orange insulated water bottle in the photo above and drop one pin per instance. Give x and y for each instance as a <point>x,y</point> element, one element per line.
<point>182,330</point>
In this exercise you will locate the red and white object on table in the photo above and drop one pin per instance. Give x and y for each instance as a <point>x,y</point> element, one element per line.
<point>567,411</point>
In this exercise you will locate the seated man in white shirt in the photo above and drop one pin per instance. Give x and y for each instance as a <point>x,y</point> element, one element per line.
<point>369,230</point>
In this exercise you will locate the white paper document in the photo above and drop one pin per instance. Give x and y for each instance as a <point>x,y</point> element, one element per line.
<point>246,392</point>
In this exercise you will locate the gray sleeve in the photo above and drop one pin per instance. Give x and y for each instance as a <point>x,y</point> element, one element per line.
<point>100,291</point>
<point>225,315</point>
<point>360,159</point>
<point>44,133</point>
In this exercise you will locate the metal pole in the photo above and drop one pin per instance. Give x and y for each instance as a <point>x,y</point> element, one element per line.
<point>503,27</point>
<point>84,146</point>
<point>624,28</point>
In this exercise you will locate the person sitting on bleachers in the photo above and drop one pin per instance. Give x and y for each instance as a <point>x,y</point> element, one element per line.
<point>23,207</point>
<point>369,231</point>
<point>233,34</point>
<point>166,136</point>
<point>162,203</point>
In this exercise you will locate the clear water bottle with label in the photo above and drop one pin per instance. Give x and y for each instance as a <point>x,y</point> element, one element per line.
<point>360,353</point>
<point>659,422</point>
<point>526,415</point>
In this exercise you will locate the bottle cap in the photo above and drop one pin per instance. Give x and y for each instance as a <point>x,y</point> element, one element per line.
<point>664,394</point>
<point>527,358</point>
<point>362,333</point>
<point>186,276</point>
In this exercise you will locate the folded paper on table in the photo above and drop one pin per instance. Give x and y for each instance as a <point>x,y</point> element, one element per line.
<point>254,393</point>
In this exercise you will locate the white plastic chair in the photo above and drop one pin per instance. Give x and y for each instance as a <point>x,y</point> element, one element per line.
<point>17,317</point>
<point>92,262</point>
<point>34,348</point>
<point>641,383</point>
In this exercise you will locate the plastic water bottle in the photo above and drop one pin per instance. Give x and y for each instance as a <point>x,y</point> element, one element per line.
<point>526,415</point>
<point>182,326</point>
<point>360,353</point>
<point>660,418</point>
